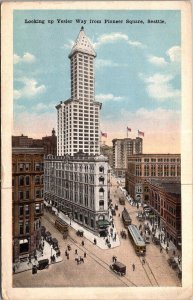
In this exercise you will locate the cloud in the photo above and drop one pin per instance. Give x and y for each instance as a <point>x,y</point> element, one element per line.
<point>158,61</point>
<point>42,107</point>
<point>116,37</point>
<point>174,54</point>
<point>108,97</point>
<point>26,58</point>
<point>160,88</point>
<point>101,63</point>
<point>29,90</point>
<point>68,45</point>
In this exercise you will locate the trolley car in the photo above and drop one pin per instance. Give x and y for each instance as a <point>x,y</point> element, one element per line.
<point>126,218</point>
<point>137,240</point>
<point>61,225</point>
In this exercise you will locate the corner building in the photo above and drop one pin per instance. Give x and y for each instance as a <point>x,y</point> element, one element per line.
<point>27,197</point>
<point>78,117</point>
<point>78,186</point>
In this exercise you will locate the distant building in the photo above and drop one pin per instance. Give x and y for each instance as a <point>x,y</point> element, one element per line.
<point>165,201</point>
<point>122,149</point>
<point>22,141</point>
<point>78,186</point>
<point>78,117</point>
<point>49,143</point>
<point>107,151</point>
<point>27,197</point>
<point>143,167</point>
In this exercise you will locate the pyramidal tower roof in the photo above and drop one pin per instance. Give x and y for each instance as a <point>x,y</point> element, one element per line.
<point>82,44</point>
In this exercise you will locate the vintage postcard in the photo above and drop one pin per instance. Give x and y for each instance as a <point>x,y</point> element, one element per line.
<point>96,150</point>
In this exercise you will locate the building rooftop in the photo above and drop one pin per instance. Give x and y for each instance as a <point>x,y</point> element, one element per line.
<point>170,186</point>
<point>82,44</point>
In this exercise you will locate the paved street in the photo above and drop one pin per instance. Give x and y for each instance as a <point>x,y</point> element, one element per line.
<point>95,269</point>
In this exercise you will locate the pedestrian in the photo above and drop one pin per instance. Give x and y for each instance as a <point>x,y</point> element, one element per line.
<point>82,243</point>
<point>76,251</point>
<point>161,249</point>
<point>167,250</point>
<point>119,215</point>
<point>84,254</point>
<point>167,244</point>
<point>115,259</point>
<point>143,261</point>
<point>66,252</point>
<point>68,256</point>
<point>133,267</point>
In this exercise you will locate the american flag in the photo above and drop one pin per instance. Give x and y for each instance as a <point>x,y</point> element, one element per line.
<point>141,133</point>
<point>128,129</point>
<point>104,134</point>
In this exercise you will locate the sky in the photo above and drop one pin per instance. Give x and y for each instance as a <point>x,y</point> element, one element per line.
<point>137,72</point>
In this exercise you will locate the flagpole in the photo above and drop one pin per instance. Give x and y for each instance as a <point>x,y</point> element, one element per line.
<point>127,133</point>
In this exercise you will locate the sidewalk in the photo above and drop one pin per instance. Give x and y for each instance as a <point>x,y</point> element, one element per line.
<point>164,242</point>
<point>100,241</point>
<point>26,265</point>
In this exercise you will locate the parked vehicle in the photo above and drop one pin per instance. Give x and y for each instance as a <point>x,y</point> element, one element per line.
<point>155,240</point>
<point>147,240</point>
<point>48,236</point>
<point>43,264</point>
<point>118,268</point>
<point>80,232</point>
<point>122,201</point>
<point>113,212</point>
<point>54,243</point>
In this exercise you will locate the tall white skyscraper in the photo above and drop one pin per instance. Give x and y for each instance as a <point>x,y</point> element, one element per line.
<point>78,117</point>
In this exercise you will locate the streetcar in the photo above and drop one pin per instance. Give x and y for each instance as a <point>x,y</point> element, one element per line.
<point>126,218</point>
<point>61,225</point>
<point>137,240</point>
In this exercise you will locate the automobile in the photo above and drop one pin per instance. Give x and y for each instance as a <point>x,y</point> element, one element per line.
<point>80,232</point>
<point>43,264</point>
<point>156,241</point>
<point>147,240</point>
<point>118,268</point>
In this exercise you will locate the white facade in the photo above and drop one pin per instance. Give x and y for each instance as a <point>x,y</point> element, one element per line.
<point>78,117</point>
<point>78,186</point>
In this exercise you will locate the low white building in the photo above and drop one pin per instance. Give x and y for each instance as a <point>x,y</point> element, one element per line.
<point>78,186</point>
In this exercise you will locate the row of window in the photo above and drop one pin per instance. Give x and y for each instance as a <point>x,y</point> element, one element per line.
<point>25,195</point>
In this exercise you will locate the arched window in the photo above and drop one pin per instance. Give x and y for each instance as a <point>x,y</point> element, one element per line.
<point>21,180</point>
<point>101,169</point>
<point>101,180</point>
<point>101,192</point>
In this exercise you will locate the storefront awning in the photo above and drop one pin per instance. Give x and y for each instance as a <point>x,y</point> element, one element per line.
<point>23,241</point>
<point>103,223</point>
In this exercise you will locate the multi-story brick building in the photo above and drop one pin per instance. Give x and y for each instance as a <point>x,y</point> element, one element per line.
<point>49,143</point>
<point>27,197</point>
<point>78,186</point>
<point>150,166</point>
<point>165,201</point>
<point>122,149</point>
